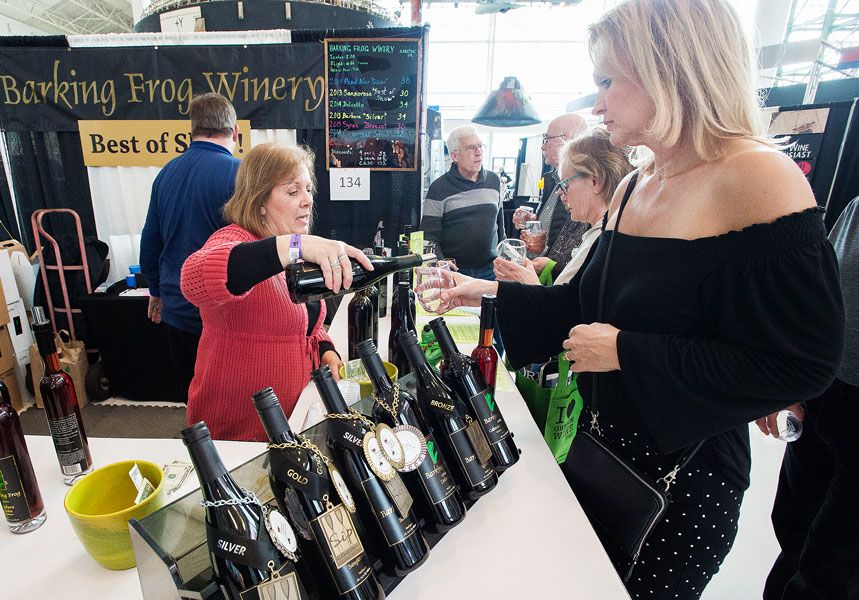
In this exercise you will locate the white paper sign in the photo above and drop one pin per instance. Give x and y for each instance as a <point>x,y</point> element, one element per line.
<point>350,184</point>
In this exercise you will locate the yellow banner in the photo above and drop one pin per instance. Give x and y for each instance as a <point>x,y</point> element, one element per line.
<point>143,143</point>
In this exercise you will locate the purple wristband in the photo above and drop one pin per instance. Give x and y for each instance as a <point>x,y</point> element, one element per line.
<point>295,247</point>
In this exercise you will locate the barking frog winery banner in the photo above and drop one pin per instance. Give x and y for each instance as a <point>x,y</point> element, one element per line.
<point>273,86</point>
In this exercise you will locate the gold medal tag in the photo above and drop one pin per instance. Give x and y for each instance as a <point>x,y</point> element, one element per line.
<point>342,489</point>
<point>400,495</point>
<point>281,533</point>
<point>479,443</point>
<point>414,446</point>
<point>376,458</point>
<point>390,446</point>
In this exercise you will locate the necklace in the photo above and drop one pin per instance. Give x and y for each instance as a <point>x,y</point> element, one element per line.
<point>411,439</point>
<point>660,176</point>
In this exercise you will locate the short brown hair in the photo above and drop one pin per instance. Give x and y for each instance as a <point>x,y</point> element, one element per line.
<point>265,167</point>
<point>593,155</point>
<point>212,115</point>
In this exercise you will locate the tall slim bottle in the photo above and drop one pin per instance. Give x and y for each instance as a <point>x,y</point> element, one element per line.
<point>430,483</point>
<point>373,295</point>
<point>298,473</point>
<point>484,354</point>
<point>464,377</point>
<point>398,536</point>
<point>407,237</point>
<point>447,418</point>
<point>20,497</point>
<point>305,282</point>
<point>61,405</point>
<point>360,321</point>
<point>247,564</point>
<point>383,288</point>
<point>401,321</point>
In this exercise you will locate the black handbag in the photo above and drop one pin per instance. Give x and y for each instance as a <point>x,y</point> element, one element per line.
<point>622,504</point>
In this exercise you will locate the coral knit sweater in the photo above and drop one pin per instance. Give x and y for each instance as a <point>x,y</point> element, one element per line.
<point>249,342</point>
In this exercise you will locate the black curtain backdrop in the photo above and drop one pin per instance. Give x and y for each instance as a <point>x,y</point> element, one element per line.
<point>7,211</point>
<point>847,176</point>
<point>48,172</point>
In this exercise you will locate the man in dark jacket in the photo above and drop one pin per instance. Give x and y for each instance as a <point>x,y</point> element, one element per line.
<point>462,210</point>
<point>184,210</point>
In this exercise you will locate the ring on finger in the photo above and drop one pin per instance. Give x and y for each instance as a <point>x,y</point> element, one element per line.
<point>342,256</point>
<point>334,263</point>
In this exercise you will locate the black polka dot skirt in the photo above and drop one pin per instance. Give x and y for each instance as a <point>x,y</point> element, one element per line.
<point>687,547</point>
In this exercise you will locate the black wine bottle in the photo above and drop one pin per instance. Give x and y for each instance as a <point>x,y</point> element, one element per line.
<point>401,321</point>
<point>407,238</point>
<point>360,321</point>
<point>448,420</point>
<point>400,539</point>
<point>373,295</point>
<point>311,495</point>
<point>383,289</point>
<point>430,482</point>
<point>305,281</point>
<point>247,564</point>
<point>462,374</point>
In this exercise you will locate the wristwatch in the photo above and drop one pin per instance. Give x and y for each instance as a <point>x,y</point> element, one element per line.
<point>294,247</point>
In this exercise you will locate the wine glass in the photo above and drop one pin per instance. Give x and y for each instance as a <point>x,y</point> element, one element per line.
<point>534,237</point>
<point>513,250</point>
<point>430,281</point>
<point>789,426</point>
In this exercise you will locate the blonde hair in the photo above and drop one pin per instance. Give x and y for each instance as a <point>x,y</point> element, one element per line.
<point>265,167</point>
<point>693,59</point>
<point>593,155</point>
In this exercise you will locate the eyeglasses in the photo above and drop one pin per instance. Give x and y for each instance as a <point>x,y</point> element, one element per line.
<point>565,183</point>
<point>473,148</point>
<point>547,137</point>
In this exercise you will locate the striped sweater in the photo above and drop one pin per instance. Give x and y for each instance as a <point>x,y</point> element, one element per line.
<point>464,217</point>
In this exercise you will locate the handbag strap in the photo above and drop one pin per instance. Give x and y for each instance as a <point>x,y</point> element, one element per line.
<point>668,478</point>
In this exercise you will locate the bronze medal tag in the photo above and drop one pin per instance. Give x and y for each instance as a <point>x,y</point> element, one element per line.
<point>390,446</point>
<point>342,490</point>
<point>376,458</point>
<point>414,445</point>
<point>479,443</point>
<point>400,495</point>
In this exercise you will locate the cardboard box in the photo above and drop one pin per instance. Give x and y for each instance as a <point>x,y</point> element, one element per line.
<point>4,311</point>
<point>23,360</point>
<point>19,327</point>
<point>8,365</point>
<point>7,279</point>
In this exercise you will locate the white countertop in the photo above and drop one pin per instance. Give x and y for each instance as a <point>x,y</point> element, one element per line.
<point>528,538</point>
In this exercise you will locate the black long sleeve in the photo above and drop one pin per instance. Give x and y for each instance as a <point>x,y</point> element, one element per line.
<point>253,262</point>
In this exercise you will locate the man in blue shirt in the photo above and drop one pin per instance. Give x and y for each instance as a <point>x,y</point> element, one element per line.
<point>184,210</point>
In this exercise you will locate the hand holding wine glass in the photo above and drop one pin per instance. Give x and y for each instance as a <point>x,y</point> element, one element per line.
<point>429,283</point>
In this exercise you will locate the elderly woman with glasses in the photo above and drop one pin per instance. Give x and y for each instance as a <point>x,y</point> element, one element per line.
<point>590,169</point>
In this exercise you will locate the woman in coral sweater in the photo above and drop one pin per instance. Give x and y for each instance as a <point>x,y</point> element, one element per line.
<point>254,336</point>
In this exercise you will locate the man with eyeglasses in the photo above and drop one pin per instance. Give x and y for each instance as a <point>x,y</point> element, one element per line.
<point>550,212</point>
<point>462,210</point>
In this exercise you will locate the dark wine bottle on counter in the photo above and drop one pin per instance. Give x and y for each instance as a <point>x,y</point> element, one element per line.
<point>20,498</point>
<point>360,321</point>
<point>407,238</point>
<point>383,289</point>
<point>373,295</point>
<point>464,377</point>
<point>61,405</point>
<point>484,354</point>
<point>247,564</point>
<point>399,539</point>
<point>310,493</point>
<point>401,320</point>
<point>426,473</point>
<point>449,421</point>
<point>305,281</point>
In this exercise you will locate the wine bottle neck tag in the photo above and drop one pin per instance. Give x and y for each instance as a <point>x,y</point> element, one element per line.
<point>295,511</point>
<point>347,434</point>
<point>252,553</point>
<point>301,474</point>
<point>479,442</point>
<point>400,495</point>
<point>281,584</point>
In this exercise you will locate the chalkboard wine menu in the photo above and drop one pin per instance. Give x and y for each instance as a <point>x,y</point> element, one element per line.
<point>373,103</point>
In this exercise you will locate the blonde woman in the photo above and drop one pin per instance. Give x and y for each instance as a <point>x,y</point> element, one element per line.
<point>590,169</point>
<point>721,302</point>
<point>254,336</point>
